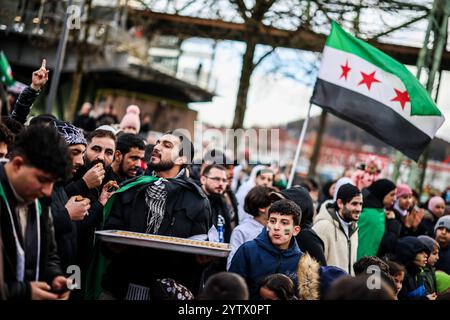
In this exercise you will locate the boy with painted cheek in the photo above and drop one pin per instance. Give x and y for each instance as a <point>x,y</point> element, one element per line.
<point>429,271</point>
<point>274,250</point>
<point>281,228</point>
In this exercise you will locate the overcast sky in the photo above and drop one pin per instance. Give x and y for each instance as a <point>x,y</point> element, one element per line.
<point>273,99</point>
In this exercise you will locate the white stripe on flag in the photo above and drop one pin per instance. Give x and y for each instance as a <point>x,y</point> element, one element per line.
<point>382,91</point>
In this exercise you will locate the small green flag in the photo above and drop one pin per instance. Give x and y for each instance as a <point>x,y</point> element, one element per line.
<point>6,75</point>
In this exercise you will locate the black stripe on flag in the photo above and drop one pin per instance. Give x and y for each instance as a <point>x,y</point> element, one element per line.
<point>372,116</point>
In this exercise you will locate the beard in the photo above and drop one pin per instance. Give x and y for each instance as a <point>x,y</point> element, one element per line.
<point>162,166</point>
<point>212,192</point>
<point>90,164</point>
<point>124,173</point>
<point>347,215</point>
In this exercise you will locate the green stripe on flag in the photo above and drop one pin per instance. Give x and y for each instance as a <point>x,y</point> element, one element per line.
<point>6,75</point>
<point>421,102</point>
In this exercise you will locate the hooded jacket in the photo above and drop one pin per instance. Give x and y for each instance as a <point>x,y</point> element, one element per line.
<point>259,258</point>
<point>371,225</point>
<point>413,284</point>
<point>187,213</point>
<point>315,280</point>
<point>340,250</point>
<point>307,240</point>
<point>377,235</point>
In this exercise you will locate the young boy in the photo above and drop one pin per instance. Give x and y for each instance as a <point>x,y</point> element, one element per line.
<point>397,272</point>
<point>429,272</point>
<point>413,254</point>
<point>273,251</point>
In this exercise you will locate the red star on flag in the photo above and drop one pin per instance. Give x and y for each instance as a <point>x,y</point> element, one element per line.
<point>345,69</point>
<point>401,97</point>
<point>368,79</point>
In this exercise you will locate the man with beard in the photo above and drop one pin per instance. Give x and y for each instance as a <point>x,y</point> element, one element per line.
<point>74,219</point>
<point>166,203</point>
<point>101,145</point>
<point>336,225</point>
<point>66,211</point>
<point>214,183</point>
<point>127,158</point>
<point>88,183</point>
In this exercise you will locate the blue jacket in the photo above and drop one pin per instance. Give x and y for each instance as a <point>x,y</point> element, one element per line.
<point>258,258</point>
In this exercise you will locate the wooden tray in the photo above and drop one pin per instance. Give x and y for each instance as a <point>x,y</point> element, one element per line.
<point>165,243</point>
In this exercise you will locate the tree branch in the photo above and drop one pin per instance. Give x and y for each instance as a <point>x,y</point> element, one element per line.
<point>265,55</point>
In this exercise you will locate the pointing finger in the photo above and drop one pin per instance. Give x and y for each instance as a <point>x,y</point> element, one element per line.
<point>44,63</point>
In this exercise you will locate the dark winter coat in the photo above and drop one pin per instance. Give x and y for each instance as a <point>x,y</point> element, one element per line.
<point>65,228</point>
<point>259,258</point>
<point>23,104</point>
<point>49,266</point>
<point>187,213</point>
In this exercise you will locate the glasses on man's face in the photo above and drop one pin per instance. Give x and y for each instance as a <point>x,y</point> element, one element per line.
<point>217,179</point>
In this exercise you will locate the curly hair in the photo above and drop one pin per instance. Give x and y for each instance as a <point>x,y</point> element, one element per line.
<point>43,148</point>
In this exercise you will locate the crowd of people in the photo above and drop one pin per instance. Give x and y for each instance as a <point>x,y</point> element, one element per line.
<point>360,237</point>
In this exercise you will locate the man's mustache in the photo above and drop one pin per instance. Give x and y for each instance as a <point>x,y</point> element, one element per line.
<point>95,162</point>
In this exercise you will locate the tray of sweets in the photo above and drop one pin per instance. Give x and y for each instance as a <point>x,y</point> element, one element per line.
<point>216,249</point>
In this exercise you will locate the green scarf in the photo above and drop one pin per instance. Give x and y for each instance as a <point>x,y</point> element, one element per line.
<point>371,226</point>
<point>99,263</point>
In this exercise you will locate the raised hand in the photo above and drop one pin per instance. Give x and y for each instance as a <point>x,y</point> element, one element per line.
<point>94,177</point>
<point>39,77</point>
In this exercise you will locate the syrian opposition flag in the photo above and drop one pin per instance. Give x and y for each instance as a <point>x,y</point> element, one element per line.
<point>366,87</point>
<point>6,75</point>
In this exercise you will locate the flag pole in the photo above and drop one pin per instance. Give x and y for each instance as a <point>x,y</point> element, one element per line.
<point>299,147</point>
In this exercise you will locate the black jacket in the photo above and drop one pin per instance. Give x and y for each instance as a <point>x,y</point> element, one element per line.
<point>220,207</point>
<point>65,228</point>
<point>87,123</point>
<point>23,104</point>
<point>49,266</point>
<point>187,213</point>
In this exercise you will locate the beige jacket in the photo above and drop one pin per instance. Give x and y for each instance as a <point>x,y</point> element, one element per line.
<point>340,251</point>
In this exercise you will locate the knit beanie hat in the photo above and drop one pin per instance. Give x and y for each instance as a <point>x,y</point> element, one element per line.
<point>71,134</point>
<point>340,183</point>
<point>443,222</point>
<point>380,188</point>
<point>131,118</point>
<point>428,242</point>
<point>328,275</point>
<point>407,248</point>
<point>403,189</point>
<point>434,201</point>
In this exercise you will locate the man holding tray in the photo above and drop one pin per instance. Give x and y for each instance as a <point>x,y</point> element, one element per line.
<point>171,204</point>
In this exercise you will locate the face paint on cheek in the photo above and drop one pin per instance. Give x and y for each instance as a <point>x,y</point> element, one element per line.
<point>287,231</point>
